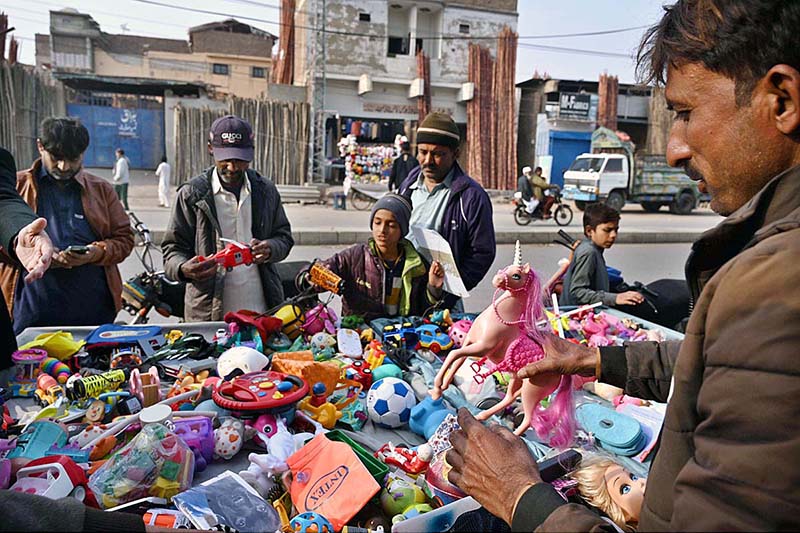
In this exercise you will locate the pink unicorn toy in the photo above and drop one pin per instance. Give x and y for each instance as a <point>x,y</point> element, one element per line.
<point>505,336</point>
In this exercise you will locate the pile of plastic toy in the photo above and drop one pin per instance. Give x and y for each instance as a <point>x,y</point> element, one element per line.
<point>311,401</point>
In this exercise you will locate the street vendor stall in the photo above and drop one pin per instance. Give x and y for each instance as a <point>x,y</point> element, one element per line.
<point>282,412</point>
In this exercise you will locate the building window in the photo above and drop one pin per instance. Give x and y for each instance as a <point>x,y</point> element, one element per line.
<point>257,72</point>
<point>398,46</point>
<point>221,69</point>
<point>364,17</point>
<point>463,28</point>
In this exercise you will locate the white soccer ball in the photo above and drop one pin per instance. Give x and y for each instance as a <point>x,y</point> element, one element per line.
<point>389,402</point>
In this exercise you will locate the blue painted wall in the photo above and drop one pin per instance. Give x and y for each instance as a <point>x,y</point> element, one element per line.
<point>565,146</point>
<point>140,132</point>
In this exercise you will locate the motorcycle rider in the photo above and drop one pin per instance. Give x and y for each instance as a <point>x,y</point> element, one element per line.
<point>525,190</point>
<point>540,185</point>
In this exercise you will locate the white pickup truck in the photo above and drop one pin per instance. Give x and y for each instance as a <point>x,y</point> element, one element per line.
<point>612,175</point>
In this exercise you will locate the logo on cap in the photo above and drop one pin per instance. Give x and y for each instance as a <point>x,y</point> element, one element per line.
<point>231,137</point>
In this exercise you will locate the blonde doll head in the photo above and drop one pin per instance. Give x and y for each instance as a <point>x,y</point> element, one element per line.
<point>606,485</point>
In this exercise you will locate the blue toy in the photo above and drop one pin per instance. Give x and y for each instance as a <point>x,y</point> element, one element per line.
<point>427,415</point>
<point>387,370</point>
<point>311,523</point>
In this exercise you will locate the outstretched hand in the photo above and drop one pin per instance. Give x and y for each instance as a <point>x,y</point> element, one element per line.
<point>490,464</point>
<point>34,249</point>
<point>563,357</point>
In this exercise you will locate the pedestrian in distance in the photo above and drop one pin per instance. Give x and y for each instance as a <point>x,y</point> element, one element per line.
<point>164,174</point>
<point>727,452</point>
<point>122,176</point>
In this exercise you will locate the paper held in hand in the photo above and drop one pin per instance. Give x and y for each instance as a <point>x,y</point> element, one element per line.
<point>434,247</point>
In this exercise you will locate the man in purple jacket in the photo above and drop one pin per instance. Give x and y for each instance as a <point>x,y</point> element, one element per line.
<point>448,201</point>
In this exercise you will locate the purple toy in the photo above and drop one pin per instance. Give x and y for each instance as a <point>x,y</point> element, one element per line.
<point>198,433</point>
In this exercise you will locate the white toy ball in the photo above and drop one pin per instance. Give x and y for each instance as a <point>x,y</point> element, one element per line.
<point>389,402</point>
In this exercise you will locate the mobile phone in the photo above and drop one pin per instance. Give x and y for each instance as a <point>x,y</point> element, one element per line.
<point>78,249</point>
<point>560,465</point>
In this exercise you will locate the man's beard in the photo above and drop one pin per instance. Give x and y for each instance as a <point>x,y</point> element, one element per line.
<point>60,176</point>
<point>231,176</point>
<point>693,173</point>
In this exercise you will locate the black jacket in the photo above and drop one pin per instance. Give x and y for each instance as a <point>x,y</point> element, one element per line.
<point>14,215</point>
<point>401,168</point>
<point>194,230</point>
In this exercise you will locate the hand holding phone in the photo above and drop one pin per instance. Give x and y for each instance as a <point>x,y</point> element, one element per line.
<point>75,249</point>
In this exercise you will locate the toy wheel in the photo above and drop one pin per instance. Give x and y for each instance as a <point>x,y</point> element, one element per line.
<point>435,348</point>
<point>79,493</point>
<point>229,269</point>
<point>487,403</point>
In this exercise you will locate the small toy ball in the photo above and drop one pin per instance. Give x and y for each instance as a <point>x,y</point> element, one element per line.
<point>311,523</point>
<point>389,402</point>
<point>458,332</point>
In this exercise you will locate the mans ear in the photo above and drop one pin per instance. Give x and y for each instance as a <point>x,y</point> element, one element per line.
<point>210,149</point>
<point>783,85</point>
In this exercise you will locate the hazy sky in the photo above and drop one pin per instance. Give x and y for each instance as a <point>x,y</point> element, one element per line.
<point>536,17</point>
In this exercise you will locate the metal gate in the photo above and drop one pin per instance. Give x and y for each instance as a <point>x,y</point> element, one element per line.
<point>565,146</point>
<point>138,131</point>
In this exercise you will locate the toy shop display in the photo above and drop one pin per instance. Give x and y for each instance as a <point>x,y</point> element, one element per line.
<point>366,163</point>
<point>317,423</point>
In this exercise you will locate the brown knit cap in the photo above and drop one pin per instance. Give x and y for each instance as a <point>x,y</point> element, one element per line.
<point>438,128</point>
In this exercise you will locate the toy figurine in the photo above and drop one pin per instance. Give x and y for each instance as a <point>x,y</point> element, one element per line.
<point>606,485</point>
<point>506,335</point>
<point>409,461</point>
<point>402,499</point>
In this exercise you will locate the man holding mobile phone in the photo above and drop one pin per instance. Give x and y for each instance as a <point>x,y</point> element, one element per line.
<point>90,231</point>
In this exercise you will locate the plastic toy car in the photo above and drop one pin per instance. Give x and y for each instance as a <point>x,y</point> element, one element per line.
<point>432,338</point>
<point>47,390</point>
<point>233,255</point>
<point>55,477</point>
<point>400,335</point>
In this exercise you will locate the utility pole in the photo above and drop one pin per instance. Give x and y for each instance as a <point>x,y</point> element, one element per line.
<point>316,163</point>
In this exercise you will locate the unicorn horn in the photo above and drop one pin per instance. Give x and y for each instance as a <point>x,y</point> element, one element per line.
<point>517,255</point>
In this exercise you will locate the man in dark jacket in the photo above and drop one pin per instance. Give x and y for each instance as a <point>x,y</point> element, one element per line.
<point>448,201</point>
<point>727,453</point>
<point>402,166</point>
<point>233,202</point>
<point>24,234</point>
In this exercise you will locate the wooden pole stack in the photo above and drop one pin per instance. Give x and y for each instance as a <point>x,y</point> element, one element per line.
<point>607,91</point>
<point>504,140</point>
<point>424,73</point>
<point>283,64</point>
<point>491,114</point>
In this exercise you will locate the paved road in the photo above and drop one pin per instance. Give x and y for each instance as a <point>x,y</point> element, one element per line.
<point>319,224</point>
<point>638,262</point>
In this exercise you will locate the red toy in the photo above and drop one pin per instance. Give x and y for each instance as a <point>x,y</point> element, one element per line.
<point>260,391</point>
<point>410,461</point>
<point>55,477</point>
<point>234,254</point>
<point>361,372</point>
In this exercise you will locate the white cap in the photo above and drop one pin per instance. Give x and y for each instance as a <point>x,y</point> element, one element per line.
<point>525,170</point>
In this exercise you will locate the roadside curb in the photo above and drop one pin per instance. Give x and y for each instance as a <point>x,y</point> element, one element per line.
<point>348,237</point>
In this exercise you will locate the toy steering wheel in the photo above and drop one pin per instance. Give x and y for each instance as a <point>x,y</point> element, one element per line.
<point>260,391</point>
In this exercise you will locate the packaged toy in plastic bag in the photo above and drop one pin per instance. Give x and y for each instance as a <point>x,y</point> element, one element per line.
<point>227,500</point>
<point>155,463</point>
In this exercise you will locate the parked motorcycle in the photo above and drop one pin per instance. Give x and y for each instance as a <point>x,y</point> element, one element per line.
<point>151,289</point>
<point>562,213</point>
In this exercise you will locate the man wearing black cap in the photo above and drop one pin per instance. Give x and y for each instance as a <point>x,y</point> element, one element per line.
<point>231,201</point>
<point>448,201</point>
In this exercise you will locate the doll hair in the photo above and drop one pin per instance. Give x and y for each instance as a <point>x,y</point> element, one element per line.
<point>592,487</point>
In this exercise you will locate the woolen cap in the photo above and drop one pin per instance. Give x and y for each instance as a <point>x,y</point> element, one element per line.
<point>438,128</point>
<point>398,205</point>
<point>231,138</point>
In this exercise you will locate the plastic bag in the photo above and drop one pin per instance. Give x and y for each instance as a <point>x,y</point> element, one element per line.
<point>155,463</point>
<point>227,500</point>
<point>329,479</point>
<point>59,344</point>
